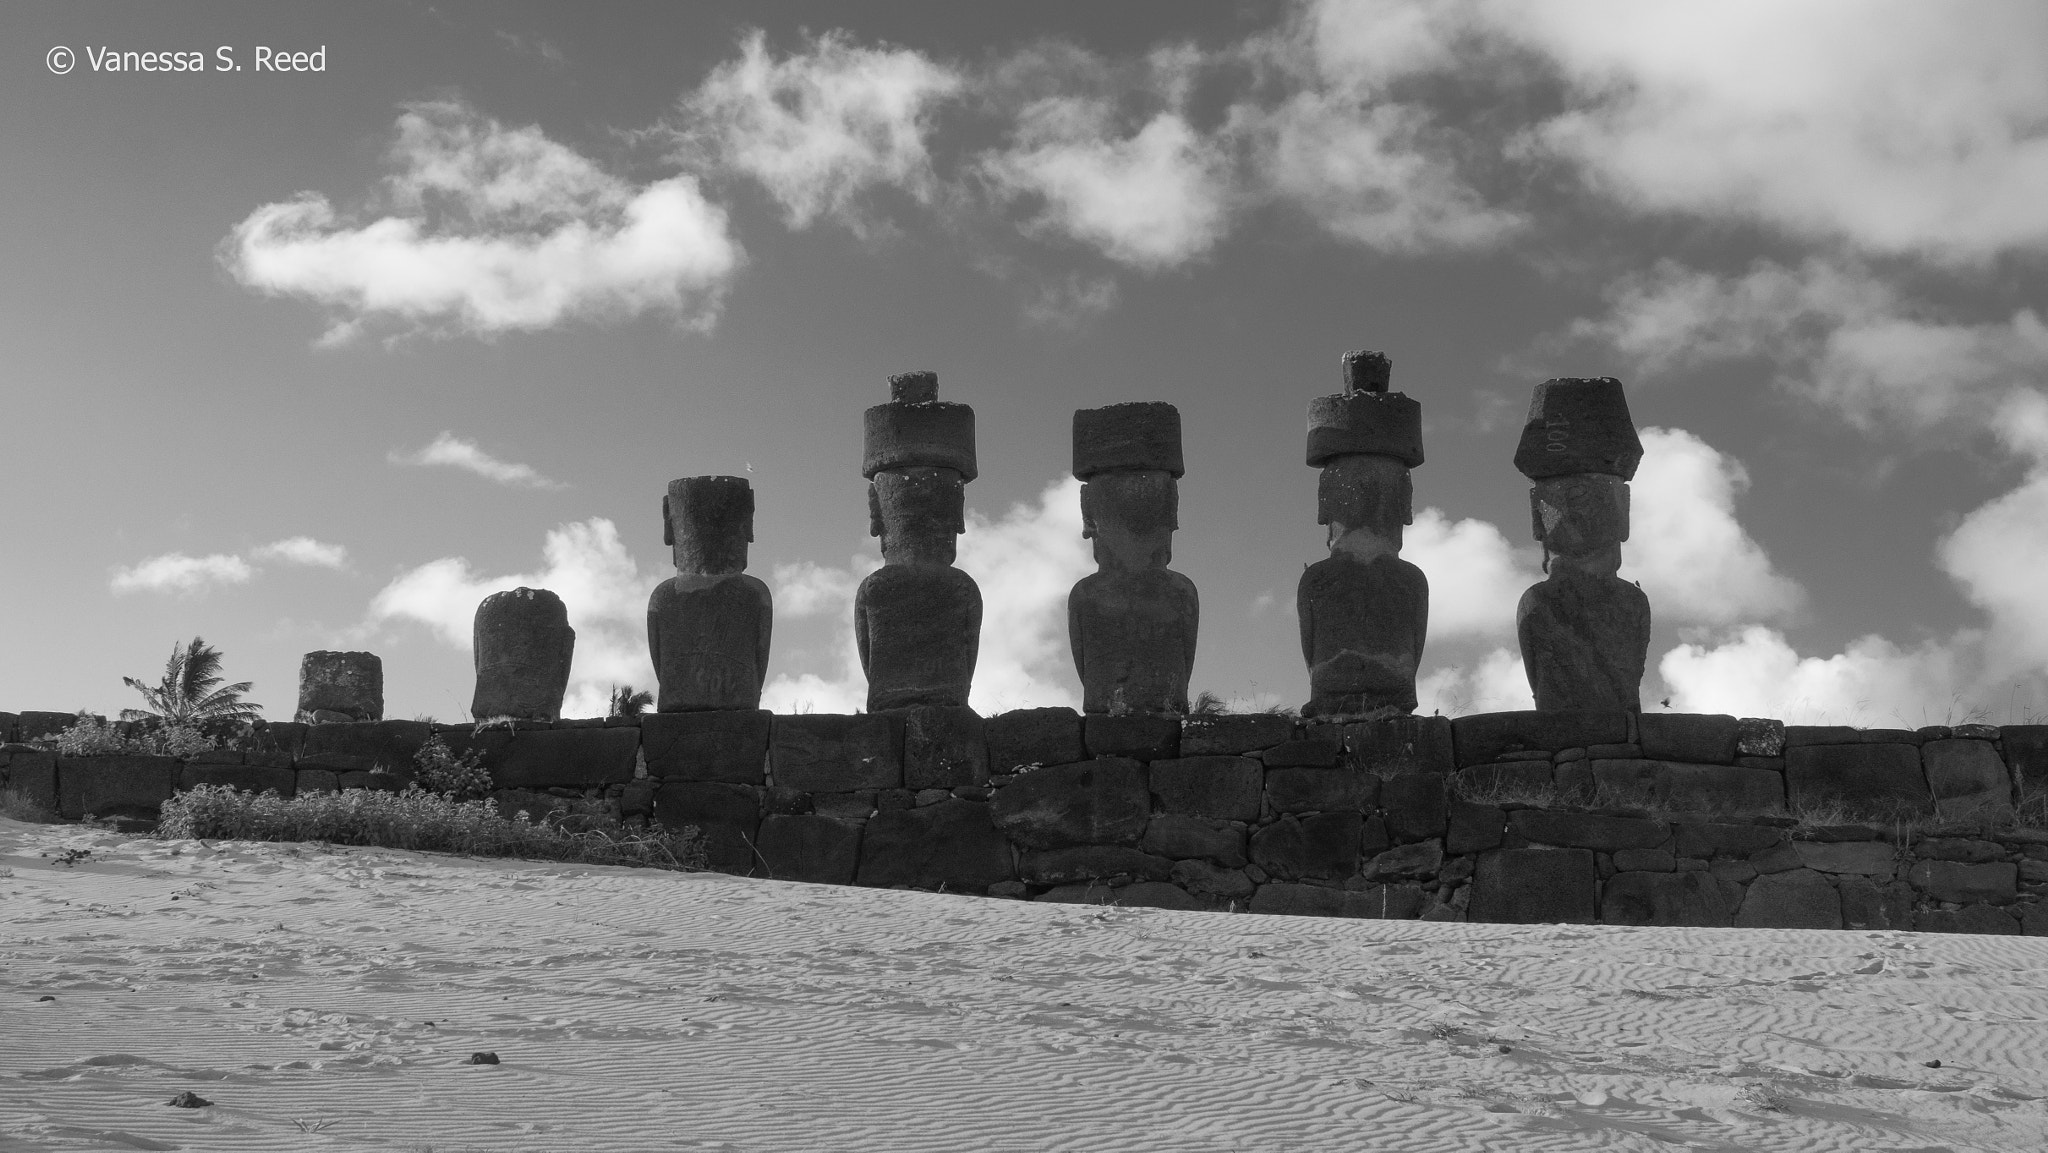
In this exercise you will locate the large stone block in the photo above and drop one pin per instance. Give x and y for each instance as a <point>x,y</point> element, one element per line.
<point>1284,900</point>
<point>1212,882</point>
<point>2025,749</point>
<point>1320,845</point>
<point>1861,858</point>
<point>1869,905</point>
<point>1221,788</point>
<point>728,816</point>
<point>1392,746</point>
<point>1419,861</point>
<point>951,845</point>
<point>1695,738</point>
<point>341,684</point>
<point>7,726</point>
<point>1967,779</point>
<point>1157,895</point>
<point>1981,919</point>
<point>33,775</point>
<point>1707,839</point>
<point>1872,779</point>
<point>1138,435</point>
<point>1535,886</point>
<point>1474,828</point>
<point>1321,790</point>
<point>1183,838</point>
<point>278,744</point>
<point>365,746</point>
<point>564,758</point>
<point>1518,776</point>
<point>1794,899</point>
<point>1100,802</point>
<point>1578,425</point>
<point>1219,735</point>
<point>126,787</point>
<point>1954,881</point>
<point>730,746</point>
<point>1416,806</point>
<point>835,753</point>
<point>1725,790</point>
<point>1323,748</point>
<point>944,747</point>
<point>806,847</point>
<point>1482,737</point>
<point>1588,830</point>
<point>247,778</point>
<point>1118,864</point>
<point>1141,736</point>
<point>37,724</point>
<point>1968,850</point>
<point>522,647</point>
<point>1049,736</point>
<point>1692,898</point>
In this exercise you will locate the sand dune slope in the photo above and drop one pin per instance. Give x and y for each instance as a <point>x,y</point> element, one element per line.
<point>328,999</point>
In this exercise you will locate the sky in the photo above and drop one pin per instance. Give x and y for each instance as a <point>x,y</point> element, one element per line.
<point>318,359</point>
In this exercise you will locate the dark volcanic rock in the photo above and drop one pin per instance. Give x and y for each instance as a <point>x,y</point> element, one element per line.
<point>1103,801</point>
<point>829,752</point>
<point>350,683</point>
<point>1535,886</point>
<point>1691,898</point>
<point>1221,788</point>
<point>952,844</point>
<point>1050,736</point>
<point>522,648</point>
<point>728,746</point>
<point>1321,845</point>
<point>825,850</point>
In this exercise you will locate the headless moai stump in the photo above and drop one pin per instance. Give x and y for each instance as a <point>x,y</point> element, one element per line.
<point>336,686</point>
<point>1585,632</point>
<point>523,645</point>
<point>917,619</point>
<point>1133,622</point>
<point>708,626</point>
<point>1364,611</point>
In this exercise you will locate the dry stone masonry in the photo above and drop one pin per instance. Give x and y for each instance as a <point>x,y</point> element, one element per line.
<point>1582,816</point>
<point>917,619</point>
<point>708,626</point>
<point>1364,611</point>
<point>1585,632</point>
<point>1132,623</point>
<point>523,645</point>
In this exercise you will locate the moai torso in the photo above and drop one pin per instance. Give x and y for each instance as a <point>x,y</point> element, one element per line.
<point>1364,611</point>
<point>917,619</point>
<point>1584,631</point>
<point>1133,622</point>
<point>708,626</point>
<point>523,648</point>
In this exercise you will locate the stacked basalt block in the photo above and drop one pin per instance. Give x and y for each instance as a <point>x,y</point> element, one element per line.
<point>523,646</point>
<point>708,626</point>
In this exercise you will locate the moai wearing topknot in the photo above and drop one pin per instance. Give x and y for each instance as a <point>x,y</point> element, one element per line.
<point>1585,632</point>
<point>1363,610</point>
<point>523,645</point>
<point>708,626</point>
<point>1133,622</point>
<point>917,619</point>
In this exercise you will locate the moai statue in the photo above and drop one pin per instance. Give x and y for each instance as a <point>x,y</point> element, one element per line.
<point>1585,632</point>
<point>523,644</point>
<point>1132,623</point>
<point>708,625</point>
<point>341,686</point>
<point>1363,610</point>
<point>917,619</point>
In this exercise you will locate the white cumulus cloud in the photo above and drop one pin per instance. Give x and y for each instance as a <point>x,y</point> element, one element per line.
<point>483,228</point>
<point>175,572</point>
<point>451,451</point>
<point>1685,546</point>
<point>306,551</point>
<point>1475,576</point>
<point>821,128</point>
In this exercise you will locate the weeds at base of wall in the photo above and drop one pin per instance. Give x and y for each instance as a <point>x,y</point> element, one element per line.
<point>417,819</point>
<point>18,805</point>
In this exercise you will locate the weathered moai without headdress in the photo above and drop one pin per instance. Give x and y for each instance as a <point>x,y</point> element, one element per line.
<point>1363,610</point>
<point>1133,622</point>
<point>1585,632</point>
<point>339,686</point>
<point>917,619</point>
<point>708,625</point>
<point>523,645</point>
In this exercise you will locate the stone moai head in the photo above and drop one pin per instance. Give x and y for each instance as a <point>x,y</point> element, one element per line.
<point>1580,447</point>
<point>1365,439</point>
<point>1128,459</point>
<point>917,452</point>
<point>708,521</point>
<point>341,686</point>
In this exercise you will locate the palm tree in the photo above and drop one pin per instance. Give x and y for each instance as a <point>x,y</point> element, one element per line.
<point>628,703</point>
<point>191,693</point>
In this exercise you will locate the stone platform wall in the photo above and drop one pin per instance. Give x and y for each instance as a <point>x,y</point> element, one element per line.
<point>1664,819</point>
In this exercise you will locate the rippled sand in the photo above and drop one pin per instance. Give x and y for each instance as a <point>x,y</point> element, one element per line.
<point>329,998</point>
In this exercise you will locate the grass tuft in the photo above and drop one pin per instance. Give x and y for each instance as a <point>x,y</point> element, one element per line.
<point>21,805</point>
<point>417,819</point>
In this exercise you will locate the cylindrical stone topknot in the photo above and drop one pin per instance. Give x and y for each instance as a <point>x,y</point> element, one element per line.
<point>917,429</point>
<point>1139,435</point>
<point>1579,425</point>
<point>1367,371</point>
<point>1365,417</point>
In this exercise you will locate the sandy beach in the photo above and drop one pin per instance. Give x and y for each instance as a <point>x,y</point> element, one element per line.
<point>331,998</point>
